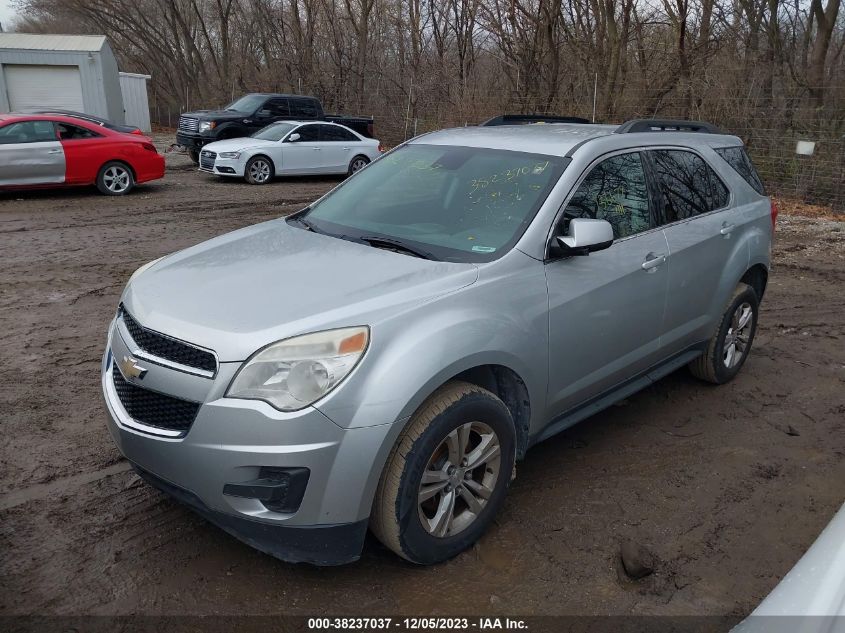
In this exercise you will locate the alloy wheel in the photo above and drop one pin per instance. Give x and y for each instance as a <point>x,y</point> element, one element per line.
<point>358,164</point>
<point>116,179</point>
<point>259,171</point>
<point>736,338</point>
<point>459,479</point>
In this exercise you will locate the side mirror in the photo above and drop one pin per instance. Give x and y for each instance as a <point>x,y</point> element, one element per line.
<point>293,138</point>
<point>585,236</point>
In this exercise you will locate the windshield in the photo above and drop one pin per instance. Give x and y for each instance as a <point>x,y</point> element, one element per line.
<point>461,204</point>
<point>249,103</point>
<point>274,131</point>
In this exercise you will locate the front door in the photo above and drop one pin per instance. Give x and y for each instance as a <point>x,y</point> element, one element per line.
<point>606,308</point>
<point>302,156</point>
<point>30,154</point>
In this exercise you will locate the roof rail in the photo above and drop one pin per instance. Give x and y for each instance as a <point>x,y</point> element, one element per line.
<point>525,119</point>
<point>666,125</point>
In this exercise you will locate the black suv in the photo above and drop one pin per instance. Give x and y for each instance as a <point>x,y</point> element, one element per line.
<point>252,112</point>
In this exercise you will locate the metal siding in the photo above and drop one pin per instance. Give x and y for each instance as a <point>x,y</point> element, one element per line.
<point>135,100</point>
<point>110,86</point>
<point>91,70</point>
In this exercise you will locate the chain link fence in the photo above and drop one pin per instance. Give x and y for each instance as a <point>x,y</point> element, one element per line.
<point>800,155</point>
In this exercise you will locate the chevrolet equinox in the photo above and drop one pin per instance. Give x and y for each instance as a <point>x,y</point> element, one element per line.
<point>382,358</point>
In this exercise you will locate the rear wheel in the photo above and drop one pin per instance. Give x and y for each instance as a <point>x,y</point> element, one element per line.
<point>115,179</point>
<point>259,170</point>
<point>358,163</point>
<point>727,350</point>
<point>447,476</point>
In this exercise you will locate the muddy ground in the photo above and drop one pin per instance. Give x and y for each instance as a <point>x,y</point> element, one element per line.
<point>728,486</point>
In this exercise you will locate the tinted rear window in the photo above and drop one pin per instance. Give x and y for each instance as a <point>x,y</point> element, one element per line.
<point>688,184</point>
<point>739,159</point>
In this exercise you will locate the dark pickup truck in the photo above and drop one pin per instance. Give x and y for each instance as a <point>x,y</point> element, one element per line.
<point>252,112</point>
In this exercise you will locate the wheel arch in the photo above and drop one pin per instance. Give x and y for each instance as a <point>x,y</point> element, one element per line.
<point>261,155</point>
<point>122,161</point>
<point>757,277</point>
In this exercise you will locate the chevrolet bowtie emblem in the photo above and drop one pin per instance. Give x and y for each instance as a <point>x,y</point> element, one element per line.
<point>130,368</point>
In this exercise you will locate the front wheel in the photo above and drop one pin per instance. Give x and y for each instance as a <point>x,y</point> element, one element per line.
<point>258,171</point>
<point>727,350</point>
<point>447,476</point>
<point>115,179</point>
<point>194,155</point>
<point>358,163</point>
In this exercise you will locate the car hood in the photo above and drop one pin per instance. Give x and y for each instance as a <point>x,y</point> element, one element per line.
<point>236,144</point>
<point>215,115</point>
<point>244,290</point>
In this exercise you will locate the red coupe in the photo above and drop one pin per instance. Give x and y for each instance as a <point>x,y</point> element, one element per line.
<point>56,151</point>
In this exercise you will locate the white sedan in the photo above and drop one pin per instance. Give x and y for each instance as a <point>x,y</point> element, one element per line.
<point>290,148</point>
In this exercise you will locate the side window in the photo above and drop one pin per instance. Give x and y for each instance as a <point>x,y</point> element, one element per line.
<point>689,186</point>
<point>739,159</point>
<point>69,132</point>
<point>308,133</point>
<point>335,133</point>
<point>303,108</point>
<point>615,190</point>
<point>28,132</point>
<point>278,107</point>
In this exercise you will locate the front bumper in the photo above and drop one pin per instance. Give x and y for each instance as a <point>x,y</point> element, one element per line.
<point>192,141</point>
<point>231,442</point>
<point>318,545</point>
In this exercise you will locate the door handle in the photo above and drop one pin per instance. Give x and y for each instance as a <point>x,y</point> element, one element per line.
<point>345,149</point>
<point>652,261</point>
<point>54,151</point>
<point>727,228</point>
<point>316,149</point>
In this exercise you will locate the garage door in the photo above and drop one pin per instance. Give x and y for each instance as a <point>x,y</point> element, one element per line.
<point>42,87</point>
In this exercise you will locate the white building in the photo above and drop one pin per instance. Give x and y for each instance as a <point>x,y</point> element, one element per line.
<point>69,72</point>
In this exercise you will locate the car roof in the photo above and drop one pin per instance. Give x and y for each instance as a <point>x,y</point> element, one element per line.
<point>563,139</point>
<point>59,118</point>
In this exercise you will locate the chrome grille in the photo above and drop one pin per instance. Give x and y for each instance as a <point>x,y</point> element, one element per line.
<point>153,408</point>
<point>207,159</point>
<point>188,124</point>
<point>168,348</point>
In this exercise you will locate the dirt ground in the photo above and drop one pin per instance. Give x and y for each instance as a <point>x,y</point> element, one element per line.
<point>727,486</point>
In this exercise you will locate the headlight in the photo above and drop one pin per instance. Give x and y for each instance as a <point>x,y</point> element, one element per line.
<point>143,268</point>
<point>296,372</point>
<point>205,126</point>
<point>229,154</point>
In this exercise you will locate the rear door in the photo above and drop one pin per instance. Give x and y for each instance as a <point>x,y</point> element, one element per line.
<point>701,232</point>
<point>303,155</point>
<point>338,146</point>
<point>30,154</point>
<point>85,152</point>
<point>606,309</point>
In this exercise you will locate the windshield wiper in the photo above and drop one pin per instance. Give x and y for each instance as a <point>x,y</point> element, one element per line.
<point>391,244</point>
<point>306,224</point>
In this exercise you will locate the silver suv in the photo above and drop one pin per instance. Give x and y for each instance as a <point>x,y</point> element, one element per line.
<point>383,357</point>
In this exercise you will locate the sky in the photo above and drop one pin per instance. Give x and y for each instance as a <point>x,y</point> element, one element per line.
<point>6,12</point>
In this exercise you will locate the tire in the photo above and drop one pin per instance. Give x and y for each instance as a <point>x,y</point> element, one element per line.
<point>357,164</point>
<point>259,170</point>
<point>467,415</point>
<point>115,179</point>
<point>718,365</point>
<point>194,155</point>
